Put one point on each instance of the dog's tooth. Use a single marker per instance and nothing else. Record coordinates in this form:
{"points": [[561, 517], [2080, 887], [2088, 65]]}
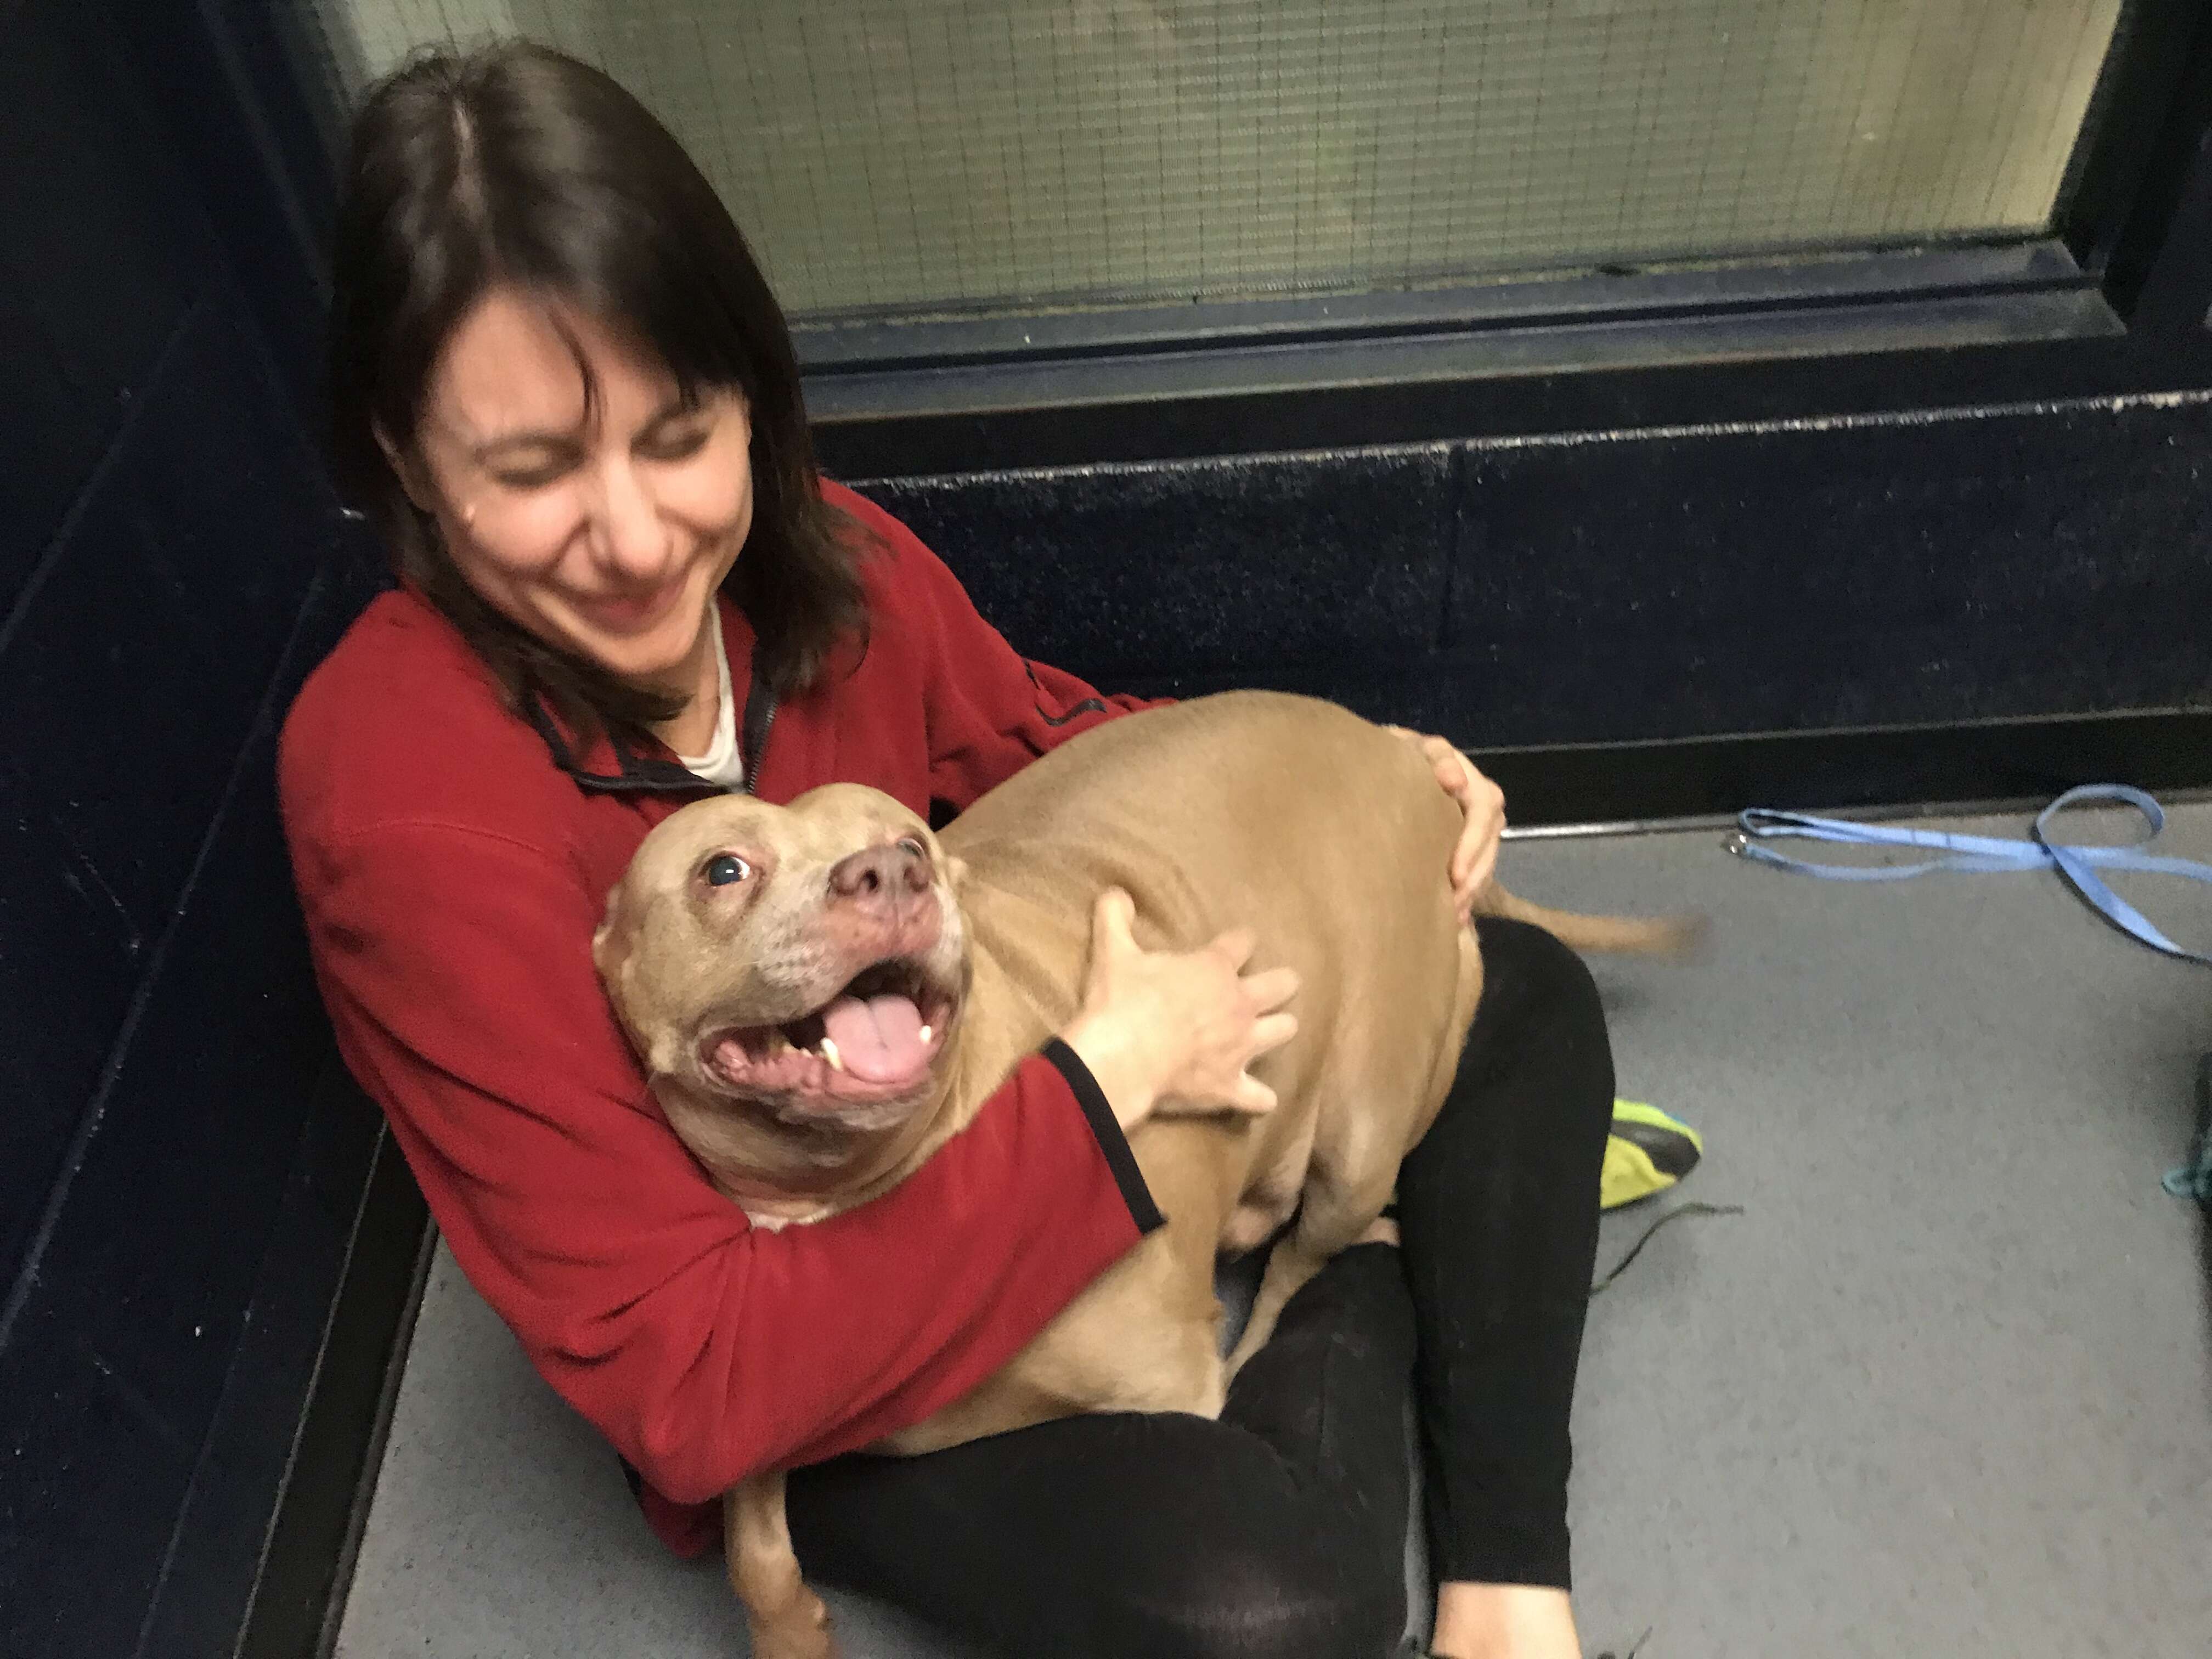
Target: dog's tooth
{"points": [[924, 1034], [829, 1053]]}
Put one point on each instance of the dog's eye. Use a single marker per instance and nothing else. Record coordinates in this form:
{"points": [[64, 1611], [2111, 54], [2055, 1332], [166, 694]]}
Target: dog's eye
{"points": [[913, 844], [725, 869]]}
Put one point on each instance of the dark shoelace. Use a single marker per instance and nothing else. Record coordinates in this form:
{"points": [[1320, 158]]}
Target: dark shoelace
{"points": [[1695, 1206]]}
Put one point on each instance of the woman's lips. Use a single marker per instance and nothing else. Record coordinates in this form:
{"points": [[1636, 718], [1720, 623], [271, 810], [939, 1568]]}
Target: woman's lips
{"points": [[630, 613]]}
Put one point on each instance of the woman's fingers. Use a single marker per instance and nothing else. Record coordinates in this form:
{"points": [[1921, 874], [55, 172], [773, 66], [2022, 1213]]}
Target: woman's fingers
{"points": [[1264, 992], [1234, 947], [1482, 806], [1177, 1030], [1250, 1095], [1474, 857], [1466, 850], [1475, 854], [1115, 911], [1468, 886], [1111, 918], [1272, 1031]]}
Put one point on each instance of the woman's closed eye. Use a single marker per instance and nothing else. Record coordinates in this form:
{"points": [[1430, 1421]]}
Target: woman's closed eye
{"points": [[674, 442], [533, 468]]}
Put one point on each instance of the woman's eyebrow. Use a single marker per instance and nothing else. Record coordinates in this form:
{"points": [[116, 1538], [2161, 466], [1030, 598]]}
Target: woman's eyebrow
{"points": [[485, 449]]}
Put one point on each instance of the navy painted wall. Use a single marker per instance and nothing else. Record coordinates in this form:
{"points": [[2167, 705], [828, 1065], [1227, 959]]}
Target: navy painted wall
{"points": [[1599, 588], [179, 1168]]}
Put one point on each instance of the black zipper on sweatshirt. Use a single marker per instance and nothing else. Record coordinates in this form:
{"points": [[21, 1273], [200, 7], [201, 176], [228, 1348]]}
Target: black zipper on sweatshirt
{"points": [[650, 774]]}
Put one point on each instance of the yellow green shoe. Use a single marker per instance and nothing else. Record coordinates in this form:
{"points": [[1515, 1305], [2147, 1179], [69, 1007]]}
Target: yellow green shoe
{"points": [[1647, 1153]]}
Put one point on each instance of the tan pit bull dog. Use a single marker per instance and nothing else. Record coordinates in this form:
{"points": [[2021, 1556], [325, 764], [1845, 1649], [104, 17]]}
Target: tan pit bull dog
{"points": [[823, 994]]}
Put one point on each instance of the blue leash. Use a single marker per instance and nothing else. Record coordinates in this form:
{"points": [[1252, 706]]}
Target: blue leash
{"points": [[2078, 866]]}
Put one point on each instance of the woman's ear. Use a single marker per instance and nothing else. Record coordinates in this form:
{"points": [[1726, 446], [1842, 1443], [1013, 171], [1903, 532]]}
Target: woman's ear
{"points": [[404, 468]]}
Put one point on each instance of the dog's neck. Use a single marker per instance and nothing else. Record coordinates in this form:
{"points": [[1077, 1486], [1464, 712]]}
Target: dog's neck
{"points": [[788, 1174]]}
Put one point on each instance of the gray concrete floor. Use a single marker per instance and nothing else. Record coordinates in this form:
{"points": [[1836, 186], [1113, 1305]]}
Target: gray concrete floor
{"points": [[1945, 1388]]}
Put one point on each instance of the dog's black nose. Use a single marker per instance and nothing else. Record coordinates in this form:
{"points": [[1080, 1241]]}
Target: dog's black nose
{"points": [[882, 874]]}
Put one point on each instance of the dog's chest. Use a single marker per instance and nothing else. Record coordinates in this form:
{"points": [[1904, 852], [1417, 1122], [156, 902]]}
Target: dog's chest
{"points": [[776, 1221]]}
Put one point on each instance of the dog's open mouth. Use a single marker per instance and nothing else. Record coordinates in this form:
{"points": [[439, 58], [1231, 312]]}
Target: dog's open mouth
{"points": [[873, 1040]]}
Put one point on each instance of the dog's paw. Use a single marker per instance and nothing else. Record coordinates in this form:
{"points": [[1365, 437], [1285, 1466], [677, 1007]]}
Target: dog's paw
{"points": [[804, 1632]]}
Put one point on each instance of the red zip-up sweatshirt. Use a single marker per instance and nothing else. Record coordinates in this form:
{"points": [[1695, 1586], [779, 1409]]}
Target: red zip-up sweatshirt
{"points": [[452, 858]]}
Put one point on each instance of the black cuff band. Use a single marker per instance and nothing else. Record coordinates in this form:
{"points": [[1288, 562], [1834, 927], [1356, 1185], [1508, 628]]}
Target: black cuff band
{"points": [[1107, 1129]]}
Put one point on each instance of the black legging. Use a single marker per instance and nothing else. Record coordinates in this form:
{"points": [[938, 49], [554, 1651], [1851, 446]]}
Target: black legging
{"points": [[1279, 1530]]}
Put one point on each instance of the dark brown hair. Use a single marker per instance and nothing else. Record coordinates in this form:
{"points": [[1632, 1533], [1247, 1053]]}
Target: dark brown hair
{"points": [[517, 164]]}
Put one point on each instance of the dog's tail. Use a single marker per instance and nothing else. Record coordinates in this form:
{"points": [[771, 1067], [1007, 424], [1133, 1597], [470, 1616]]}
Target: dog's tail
{"points": [[1654, 936]]}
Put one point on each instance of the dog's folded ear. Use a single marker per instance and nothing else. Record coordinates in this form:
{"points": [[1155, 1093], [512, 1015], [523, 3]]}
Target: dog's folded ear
{"points": [[614, 953], [955, 871], [611, 941]]}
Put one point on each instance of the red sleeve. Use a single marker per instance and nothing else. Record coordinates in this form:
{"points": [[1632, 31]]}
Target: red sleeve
{"points": [[990, 710], [456, 971]]}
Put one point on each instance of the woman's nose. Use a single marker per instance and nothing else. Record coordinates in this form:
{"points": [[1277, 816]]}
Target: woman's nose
{"points": [[628, 531]]}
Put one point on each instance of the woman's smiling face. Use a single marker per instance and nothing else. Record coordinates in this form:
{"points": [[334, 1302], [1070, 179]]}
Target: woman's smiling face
{"points": [[577, 492]]}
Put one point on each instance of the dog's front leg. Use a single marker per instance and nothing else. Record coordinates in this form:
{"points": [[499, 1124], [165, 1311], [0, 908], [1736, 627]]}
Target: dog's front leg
{"points": [[787, 1620]]}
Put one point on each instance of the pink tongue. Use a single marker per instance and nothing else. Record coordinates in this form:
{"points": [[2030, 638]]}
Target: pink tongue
{"points": [[880, 1040]]}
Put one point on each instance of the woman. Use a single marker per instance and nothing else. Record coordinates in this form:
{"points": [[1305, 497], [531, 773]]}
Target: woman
{"points": [[564, 389]]}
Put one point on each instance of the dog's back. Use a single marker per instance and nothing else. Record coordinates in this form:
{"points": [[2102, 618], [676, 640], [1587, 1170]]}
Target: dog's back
{"points": [[1281, 813]]}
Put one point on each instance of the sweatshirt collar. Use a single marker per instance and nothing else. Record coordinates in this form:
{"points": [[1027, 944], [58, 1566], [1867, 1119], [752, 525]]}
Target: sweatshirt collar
{"points": [[607, 766]]}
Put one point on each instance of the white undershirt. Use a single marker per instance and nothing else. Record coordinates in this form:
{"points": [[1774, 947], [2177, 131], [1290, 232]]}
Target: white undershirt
{"points": [[721, 764]]}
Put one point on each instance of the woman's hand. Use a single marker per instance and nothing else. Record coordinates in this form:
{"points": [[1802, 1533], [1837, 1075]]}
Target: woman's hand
{"points": [[1179, 1025], [1481, 803]]}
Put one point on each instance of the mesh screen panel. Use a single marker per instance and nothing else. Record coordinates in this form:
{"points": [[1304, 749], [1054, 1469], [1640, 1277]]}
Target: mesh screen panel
{"points": [[917, 157]]}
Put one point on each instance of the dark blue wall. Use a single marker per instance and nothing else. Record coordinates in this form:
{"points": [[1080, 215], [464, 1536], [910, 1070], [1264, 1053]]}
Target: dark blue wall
{"points": [[179, 1172], [1608, 587]]}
